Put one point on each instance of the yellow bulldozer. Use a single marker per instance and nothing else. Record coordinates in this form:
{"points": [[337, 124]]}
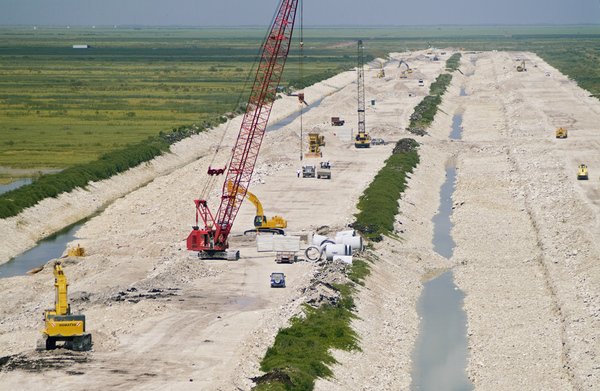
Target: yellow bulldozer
{"points": [[61, 325], [315, 142], [582, 172], [561, 133], [275, 224]]}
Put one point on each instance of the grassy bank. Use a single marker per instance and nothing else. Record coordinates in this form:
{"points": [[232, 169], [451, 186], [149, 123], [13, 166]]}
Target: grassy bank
{"points": [[378, 205], [109, 164], [301, 352], [426, 110]]}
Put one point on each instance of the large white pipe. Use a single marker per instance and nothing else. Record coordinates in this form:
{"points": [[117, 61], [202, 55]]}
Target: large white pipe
{"points": [[332, 250], [355, 242], [317, 239]]}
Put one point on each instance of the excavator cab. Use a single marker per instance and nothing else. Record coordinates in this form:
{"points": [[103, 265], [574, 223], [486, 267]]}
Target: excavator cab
{"points": [[259, 221]]}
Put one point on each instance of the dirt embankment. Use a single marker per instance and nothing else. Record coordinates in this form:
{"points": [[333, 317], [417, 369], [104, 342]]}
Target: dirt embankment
{"points": [[53, 214], [160, 317], [524, 230]]}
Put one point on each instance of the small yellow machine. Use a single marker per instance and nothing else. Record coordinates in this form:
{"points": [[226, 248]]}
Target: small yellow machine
{"points": [[61, 325], [77, 251], [315, 142], [275, 224], [582, 172], [362, 140], [561, 133], [381, 71]]}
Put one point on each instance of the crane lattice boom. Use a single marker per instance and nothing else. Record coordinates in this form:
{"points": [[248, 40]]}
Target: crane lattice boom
{"points": [[275, 48]]}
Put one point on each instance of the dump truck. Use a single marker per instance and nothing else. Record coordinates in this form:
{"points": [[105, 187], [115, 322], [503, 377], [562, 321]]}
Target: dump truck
{"points": [[337, 121], [61, 325], [561, 133], [324, 171]]}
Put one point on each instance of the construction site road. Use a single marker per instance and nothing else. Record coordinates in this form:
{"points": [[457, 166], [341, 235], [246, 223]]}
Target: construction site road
{"points": [[524, 229]]}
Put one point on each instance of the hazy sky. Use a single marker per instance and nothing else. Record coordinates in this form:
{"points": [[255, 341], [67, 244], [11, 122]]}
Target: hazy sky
{"points": [[316, 12]]}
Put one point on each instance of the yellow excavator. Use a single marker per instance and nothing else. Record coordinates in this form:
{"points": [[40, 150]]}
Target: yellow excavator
{"points": [[60, 324], [522, 67], [275, 224]]}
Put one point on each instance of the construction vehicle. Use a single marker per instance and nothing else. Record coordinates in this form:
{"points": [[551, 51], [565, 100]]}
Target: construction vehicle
{"points": [[561, 133], [308, 171], [324, 171], [277, 280], [76, 251], [582, 172], [315, 142], [521, 67], [275, 224], [286, 257], [337, 121], [211, 240], [362, 139], [381, 71], [60, 324]]}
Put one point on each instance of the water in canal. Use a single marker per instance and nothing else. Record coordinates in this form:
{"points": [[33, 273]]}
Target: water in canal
{"points": [[440, 355], [14, 185], [49, 248]]}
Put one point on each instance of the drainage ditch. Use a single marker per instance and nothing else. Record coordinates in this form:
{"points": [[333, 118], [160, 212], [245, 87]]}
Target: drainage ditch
{"points": [[47, 249], [440, 355]]}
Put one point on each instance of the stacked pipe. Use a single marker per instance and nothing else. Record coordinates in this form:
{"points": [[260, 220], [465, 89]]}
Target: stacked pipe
{"points": [[339, 248]]}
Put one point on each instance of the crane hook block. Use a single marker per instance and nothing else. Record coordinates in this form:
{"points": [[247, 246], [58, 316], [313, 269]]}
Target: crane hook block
{"points": [[216, 171]]}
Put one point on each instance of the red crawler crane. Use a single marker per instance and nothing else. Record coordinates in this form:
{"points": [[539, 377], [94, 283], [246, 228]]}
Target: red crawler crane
{"points": [[211, 241]]}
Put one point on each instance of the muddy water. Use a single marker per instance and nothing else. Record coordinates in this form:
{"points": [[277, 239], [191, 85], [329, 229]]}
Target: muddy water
{"points": [[440, 355], [47, 249], [463, 91], [14, 185]]}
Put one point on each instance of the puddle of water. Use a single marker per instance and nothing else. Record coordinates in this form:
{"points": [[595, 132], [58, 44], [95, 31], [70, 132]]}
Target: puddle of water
{"points": [[49, 248], [14, 185], [290, 118], [440, 355], [463, 91], [456, 133], [443, 243]]}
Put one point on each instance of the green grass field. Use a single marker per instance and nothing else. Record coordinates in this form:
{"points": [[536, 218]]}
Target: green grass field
{"points": [[61, 106]]}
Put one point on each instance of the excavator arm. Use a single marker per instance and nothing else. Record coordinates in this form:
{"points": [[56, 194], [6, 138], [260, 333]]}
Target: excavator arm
{"points": [[60, 283]]}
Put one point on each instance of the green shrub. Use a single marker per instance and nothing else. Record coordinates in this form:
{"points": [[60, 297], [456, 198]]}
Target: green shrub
{"points": [[378, 204], [453, 62]]}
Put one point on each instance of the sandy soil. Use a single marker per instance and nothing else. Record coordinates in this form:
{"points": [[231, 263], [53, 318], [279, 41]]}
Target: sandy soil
{"points": [[524, 229], [159, 316]]}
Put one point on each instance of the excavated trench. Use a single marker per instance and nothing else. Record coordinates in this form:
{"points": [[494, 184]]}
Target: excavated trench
{"points": [[440, 355], [47, 249]]}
